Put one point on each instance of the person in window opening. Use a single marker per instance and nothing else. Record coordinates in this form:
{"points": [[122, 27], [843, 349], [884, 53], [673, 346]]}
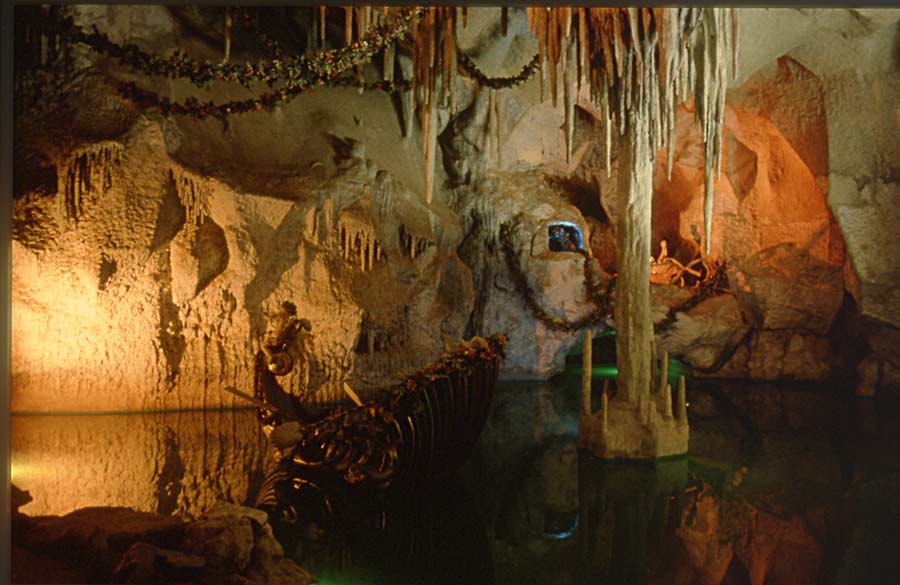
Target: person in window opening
{"points": [[560, 240]]}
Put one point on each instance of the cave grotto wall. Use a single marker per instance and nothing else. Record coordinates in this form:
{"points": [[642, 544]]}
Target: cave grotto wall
{"points": [[147, 250]]}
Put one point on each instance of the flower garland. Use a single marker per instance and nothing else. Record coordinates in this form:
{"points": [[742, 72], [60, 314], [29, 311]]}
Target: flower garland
{"points": [[469, 69], [191, 106], [300, 70], [320, 69], [298, 75]]}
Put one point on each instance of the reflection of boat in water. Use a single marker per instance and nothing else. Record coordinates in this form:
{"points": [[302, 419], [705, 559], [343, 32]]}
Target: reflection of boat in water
{"points": [[422, 428]]}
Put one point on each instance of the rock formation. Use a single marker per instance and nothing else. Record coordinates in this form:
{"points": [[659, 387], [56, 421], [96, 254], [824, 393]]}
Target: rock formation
{"points": [[226, 544], [184, 233]]}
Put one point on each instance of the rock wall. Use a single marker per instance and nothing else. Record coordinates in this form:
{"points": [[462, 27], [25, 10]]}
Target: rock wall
{"points": [[849, 58], [147, 282], [148, 250]]}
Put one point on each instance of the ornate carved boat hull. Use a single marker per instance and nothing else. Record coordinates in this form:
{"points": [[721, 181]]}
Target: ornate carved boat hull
{"points": [[421, 429]]}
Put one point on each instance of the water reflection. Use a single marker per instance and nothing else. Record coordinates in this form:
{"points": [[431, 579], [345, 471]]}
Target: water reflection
{"points": [[752, 504], [167, 462]]}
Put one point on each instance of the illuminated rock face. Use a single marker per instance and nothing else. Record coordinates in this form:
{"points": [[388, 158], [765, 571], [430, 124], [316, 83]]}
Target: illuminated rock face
{"points": [[783, 249], [145, 288]]}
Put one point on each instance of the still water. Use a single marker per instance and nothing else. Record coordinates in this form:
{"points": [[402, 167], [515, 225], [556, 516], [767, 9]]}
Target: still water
{"points": [[782, 486]]}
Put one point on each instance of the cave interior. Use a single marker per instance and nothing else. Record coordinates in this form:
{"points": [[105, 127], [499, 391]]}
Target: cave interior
{"points": [[682, 220]]}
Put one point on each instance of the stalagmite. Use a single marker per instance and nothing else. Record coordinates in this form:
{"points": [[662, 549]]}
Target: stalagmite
{"points": [[604, 406], [663, 370], [632, 309], [642, 63], [681, 402], [666, 407], [587, 364]]}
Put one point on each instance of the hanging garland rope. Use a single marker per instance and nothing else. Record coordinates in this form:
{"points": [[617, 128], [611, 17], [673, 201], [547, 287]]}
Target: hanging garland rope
{"points": [[299, 74], [470, 70], [601, 301], [300, 70], [715, 285]]}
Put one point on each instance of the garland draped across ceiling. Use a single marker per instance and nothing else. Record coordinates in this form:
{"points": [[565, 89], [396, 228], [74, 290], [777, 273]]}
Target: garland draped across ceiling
{"points": [[638, 64]]}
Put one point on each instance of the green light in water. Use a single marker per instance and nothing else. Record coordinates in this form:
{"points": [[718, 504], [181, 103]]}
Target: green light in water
{"points": [[605, 371]]}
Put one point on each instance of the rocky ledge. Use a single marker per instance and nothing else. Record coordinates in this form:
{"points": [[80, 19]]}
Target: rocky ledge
{"points": [[228, 544]]}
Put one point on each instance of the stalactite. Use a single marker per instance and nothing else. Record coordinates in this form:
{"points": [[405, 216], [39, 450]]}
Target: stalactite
{"points": [[430, 149], [362, 23], [412, 245], [389, 55], [711, 51], [500, 107], [582, 46], [607, 127], [430, 64], [359, 244], [193, 192], [554, 36], [408, 101], [734, 45], [490, 133], [227, 35], [644, 62], [569, 98], [89, 170], [450, 66], [348, 24]]}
